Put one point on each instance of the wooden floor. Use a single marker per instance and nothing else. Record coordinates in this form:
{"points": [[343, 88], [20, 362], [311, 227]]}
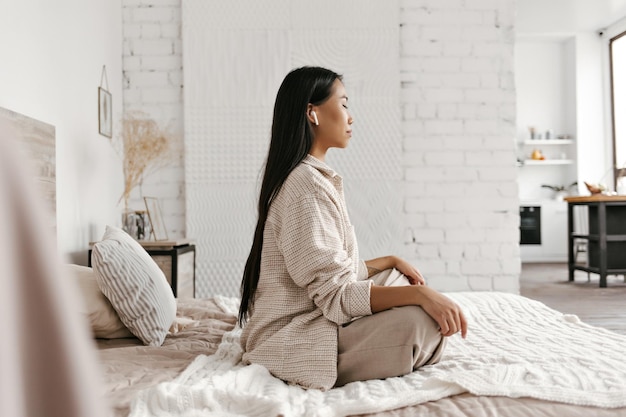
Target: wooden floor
{"points": [[603, 307]]}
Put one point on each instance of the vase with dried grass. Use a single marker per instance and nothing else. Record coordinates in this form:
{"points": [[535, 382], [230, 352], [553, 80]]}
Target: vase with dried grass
{"points": [[144, 148]]}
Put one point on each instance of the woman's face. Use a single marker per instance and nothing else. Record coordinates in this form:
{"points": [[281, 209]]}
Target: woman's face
{"points": [[335, 122]]}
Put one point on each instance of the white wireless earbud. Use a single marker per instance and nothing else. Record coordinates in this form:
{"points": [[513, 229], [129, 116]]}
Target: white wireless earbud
{"points": [[317, 123]]}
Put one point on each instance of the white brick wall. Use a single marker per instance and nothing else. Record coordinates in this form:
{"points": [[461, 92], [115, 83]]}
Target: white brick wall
{"points": [[458, 106], [153, 83]]}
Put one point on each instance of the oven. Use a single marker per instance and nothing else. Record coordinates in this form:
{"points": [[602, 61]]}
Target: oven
{"points": [[530, 225]]}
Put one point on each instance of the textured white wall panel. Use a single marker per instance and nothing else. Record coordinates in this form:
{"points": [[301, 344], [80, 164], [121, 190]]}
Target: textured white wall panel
{"points": [[375, 147], [235, 56], [222, 217], [236, 15], [225, 144], [375, 208], [363, 56], [228, 68], [343, 14]]}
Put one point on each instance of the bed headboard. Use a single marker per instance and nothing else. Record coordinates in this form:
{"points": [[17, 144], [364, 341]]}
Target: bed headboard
{"points": [[38, 145]]}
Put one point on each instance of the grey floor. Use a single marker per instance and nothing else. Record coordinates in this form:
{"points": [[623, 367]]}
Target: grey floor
{"points": [[603, 307]]}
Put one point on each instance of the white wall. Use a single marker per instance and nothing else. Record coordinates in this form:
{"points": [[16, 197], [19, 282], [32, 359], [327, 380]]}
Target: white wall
{"points": [[539, 70], [559, 81], [546, 99], [586, 70], [458, 98], [51, 56], [153, 84], [567, 16]]}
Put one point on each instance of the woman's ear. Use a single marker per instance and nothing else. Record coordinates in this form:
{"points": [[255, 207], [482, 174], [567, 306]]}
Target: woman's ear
{"points": [[311, 115]]}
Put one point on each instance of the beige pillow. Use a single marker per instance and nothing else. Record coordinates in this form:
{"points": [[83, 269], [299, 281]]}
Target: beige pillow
{"points": [[135, 286], [104, 321]]}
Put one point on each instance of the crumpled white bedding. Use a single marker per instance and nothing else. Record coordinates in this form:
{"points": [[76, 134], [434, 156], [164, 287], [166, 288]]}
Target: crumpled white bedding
{"points": [[515, 347]]}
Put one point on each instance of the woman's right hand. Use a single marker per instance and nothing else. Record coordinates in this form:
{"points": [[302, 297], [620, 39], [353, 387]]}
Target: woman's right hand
{"points": [[443, 310]]}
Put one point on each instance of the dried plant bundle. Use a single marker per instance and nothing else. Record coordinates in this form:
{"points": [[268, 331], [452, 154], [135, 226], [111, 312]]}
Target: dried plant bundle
{"points": [[144, 147]]}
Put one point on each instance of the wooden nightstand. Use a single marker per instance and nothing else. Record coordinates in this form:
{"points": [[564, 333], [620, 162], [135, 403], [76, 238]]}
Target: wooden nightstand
{"points": [[177, 260]]}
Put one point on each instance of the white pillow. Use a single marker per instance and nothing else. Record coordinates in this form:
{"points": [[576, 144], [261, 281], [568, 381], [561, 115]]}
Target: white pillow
{"points": [[134, 285], [102, 317]]}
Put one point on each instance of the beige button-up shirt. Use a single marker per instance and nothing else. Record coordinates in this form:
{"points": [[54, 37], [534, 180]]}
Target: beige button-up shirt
{"points": [[311, 280]]}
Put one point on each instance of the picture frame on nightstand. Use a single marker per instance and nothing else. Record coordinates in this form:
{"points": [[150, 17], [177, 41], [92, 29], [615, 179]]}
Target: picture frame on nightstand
{"points": [[158, 230]]}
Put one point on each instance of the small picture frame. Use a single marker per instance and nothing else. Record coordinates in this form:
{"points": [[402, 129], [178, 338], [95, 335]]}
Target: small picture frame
{"points": [[158, 230], [105, 118]]}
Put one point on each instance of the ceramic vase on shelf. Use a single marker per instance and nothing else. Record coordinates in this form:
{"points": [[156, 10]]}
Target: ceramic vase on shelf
{"points": [[560, 195], [620, 187]]}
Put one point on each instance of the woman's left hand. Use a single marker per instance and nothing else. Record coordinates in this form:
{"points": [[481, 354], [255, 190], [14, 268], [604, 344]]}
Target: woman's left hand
{"points": [[411, 272]]}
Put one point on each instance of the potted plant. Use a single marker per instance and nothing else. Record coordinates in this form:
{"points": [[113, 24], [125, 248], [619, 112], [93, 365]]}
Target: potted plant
{"points": [[560, 191]]}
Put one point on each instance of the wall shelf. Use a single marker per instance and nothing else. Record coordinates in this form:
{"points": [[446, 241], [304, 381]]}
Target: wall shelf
{"points": [[548, 162], [548, 142]]}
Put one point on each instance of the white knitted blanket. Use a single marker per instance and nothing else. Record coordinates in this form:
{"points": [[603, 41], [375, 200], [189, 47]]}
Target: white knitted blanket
{"points": [[515, 347]]}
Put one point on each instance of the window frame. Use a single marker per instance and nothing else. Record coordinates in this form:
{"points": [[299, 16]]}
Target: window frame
{"points": [[616, 170]]}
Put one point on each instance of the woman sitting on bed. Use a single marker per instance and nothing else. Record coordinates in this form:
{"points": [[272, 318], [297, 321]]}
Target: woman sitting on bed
{"points": [[314, 314]]}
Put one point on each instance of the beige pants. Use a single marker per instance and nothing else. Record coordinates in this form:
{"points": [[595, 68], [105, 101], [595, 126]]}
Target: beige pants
{"points": [[389, 343]]}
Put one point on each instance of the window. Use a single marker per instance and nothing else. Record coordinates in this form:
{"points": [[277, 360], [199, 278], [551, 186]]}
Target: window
{"points": [[617, 51]]}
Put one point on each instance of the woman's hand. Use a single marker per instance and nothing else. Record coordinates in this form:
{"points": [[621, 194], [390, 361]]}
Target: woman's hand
{"points": [[411, 272], [444, 311]]}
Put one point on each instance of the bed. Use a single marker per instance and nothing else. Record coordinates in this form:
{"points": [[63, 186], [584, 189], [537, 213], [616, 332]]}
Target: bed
{"points": [[521, 358]]}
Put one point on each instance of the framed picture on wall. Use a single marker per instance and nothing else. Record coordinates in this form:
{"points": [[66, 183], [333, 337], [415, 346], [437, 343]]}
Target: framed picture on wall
{"points": [[158, 229], [105, 119]]}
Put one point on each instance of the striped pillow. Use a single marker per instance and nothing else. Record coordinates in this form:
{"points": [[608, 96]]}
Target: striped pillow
{"points": [[134, 285]]}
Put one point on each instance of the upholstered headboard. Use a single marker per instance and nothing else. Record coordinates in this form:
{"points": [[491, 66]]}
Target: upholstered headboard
{"points": [[37, 140]]}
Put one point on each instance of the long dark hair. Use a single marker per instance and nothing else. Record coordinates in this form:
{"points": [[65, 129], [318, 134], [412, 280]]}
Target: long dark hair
{"points": [[292, 138]]}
